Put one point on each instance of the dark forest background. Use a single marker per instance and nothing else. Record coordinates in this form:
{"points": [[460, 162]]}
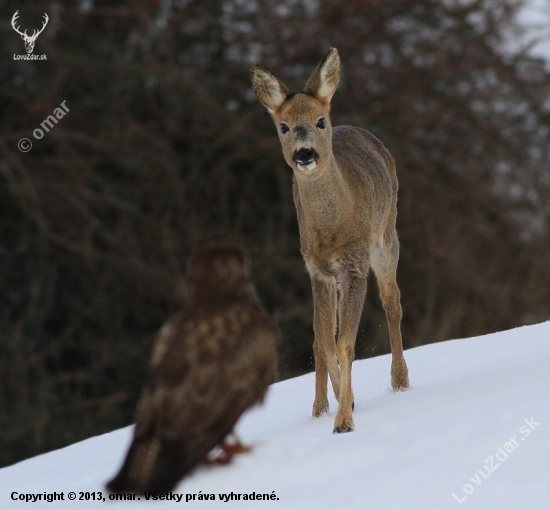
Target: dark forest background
{"points": [[165, 142]]}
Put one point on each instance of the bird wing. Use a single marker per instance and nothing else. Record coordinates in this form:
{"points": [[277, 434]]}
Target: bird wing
{"points": [[206, 370]]}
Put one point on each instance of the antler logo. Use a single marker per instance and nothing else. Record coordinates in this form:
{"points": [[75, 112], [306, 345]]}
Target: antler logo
{"points": [[29, 39]]}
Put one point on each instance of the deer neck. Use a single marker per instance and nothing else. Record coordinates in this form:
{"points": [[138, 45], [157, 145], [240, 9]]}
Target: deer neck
{"points": [[324, 195]]}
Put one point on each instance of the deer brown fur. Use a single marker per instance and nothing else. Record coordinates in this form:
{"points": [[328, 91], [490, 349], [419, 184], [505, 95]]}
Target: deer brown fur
{"points": [[345, 192]]}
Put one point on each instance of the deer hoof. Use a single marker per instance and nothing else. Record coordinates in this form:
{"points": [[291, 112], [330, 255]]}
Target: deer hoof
{"points": [[341, 429], [399, 376], [319, 409], [401, 382]]}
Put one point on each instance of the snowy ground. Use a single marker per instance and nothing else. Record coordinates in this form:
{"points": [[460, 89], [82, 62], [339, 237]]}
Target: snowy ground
{"points": [[473, 432], [535, 17]]}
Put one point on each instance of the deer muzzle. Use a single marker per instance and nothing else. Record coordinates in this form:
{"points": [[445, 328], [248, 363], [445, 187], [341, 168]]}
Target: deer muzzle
{"points": [[306, 158]]}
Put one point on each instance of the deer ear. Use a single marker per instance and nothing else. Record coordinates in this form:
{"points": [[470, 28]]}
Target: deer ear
{"points": [[324, 81], [271, 92]]}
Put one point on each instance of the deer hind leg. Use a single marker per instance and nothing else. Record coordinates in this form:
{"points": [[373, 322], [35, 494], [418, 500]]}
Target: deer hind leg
{"points": [[384, 264], [350, 306], [324, 346]]}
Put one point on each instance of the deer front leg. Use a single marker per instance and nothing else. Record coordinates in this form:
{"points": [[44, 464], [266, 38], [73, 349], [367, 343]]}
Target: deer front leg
{"points": [[352, 296], [324, 345]]}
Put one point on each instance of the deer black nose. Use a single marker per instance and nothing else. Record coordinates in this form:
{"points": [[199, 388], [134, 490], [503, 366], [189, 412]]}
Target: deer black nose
{"points": [[301, 132], [304, 155]]}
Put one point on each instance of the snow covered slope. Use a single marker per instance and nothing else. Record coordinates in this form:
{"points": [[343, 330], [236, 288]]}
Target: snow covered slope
{"points": [[534, 15], [473, 432]]}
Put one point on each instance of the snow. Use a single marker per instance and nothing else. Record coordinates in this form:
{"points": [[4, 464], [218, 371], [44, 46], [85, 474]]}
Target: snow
{"points": [[471, 401], [534, 16]]}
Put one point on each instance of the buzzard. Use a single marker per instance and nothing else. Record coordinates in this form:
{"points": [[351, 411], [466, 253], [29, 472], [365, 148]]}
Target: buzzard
{"points": [[210, 362]]}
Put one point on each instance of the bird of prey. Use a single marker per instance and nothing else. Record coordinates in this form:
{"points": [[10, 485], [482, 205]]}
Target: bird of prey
{"points": [[210, 363]]}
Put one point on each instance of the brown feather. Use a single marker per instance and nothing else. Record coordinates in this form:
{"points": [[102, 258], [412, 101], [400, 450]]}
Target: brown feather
{"points": [[210, 363]]}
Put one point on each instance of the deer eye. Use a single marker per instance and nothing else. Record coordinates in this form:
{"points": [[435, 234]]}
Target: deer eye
{"points": [[284, 128], [321, 123]]}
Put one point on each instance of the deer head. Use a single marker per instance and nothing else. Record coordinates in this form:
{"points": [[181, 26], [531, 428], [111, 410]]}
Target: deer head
{"points": [[303, 119], [29, 39]]}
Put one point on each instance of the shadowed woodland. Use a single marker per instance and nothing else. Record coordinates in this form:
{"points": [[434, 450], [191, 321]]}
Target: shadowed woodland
{"points": [[165, 142]]}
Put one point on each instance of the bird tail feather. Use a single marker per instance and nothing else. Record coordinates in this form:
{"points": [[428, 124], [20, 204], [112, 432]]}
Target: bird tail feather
{"points": [[152, 464]]}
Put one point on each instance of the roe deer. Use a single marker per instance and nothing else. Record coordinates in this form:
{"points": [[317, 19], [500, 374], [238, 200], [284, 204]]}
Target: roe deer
{"points": [[345, 192]]}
